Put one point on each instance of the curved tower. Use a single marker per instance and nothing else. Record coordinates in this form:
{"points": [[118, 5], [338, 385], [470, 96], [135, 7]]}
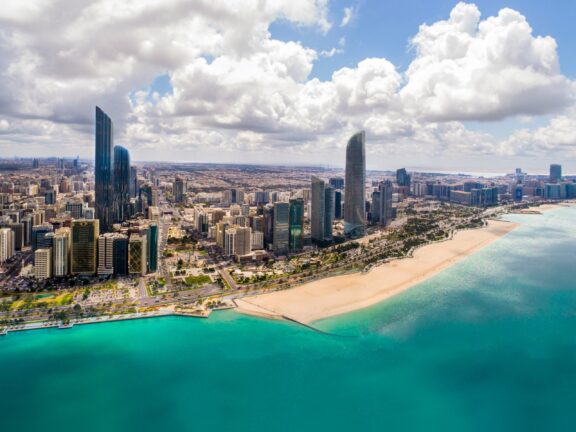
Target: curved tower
{"points": [[354, 187]]}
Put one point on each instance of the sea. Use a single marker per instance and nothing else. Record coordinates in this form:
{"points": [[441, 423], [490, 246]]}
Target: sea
{"points": [[486, 345]]}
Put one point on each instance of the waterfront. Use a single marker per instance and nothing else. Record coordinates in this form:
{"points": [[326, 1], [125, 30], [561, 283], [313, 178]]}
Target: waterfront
{"points": [[486, 344]]}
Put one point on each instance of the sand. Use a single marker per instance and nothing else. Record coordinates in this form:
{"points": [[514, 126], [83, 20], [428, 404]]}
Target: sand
{"points": [[340, 294]]}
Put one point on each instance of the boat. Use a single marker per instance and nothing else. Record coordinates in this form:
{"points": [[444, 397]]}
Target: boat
{"points": [[66, 326]]}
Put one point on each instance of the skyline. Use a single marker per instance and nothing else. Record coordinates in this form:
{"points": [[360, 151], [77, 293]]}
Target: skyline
{"points": [[471, 74]]}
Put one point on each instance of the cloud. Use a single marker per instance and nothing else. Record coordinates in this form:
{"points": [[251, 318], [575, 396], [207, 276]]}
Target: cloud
{"points": [[347, 17], [468, 69], [237, 88], [557, 137]]}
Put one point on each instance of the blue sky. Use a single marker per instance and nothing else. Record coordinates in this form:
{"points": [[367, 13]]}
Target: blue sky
{"points": [[254, 81]]}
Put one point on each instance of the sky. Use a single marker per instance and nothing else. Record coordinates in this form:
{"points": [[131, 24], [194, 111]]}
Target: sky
{"points": [[437, 85]]}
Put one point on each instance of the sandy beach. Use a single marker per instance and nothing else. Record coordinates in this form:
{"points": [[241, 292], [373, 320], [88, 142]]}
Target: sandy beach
{"points": [[340, 294]]}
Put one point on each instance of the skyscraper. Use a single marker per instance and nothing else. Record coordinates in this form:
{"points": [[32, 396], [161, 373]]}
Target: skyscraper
{"points": [[61, 252], [337, 204], [85, 234], [152, 247], [106, 254], [121, 184], [120, 255], [137, 254], [281, 228], [555, 173], [103, 170], [318, 209], [296, 224], [43, 263], [328, 212], [354, 193], [385, 211], [178, 190], [402, 177]]}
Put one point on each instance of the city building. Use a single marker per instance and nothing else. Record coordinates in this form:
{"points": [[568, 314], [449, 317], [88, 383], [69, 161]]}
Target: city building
{"points": [[281, 228], [61, 252], [103, 170], [243, 241], [328, 212], [354, 192], [43, 263], [152, 241], [7, 248], [296, 235], [137, 259], [120, 255], [555, 173], [83, 258], [121, 184], [178, 190], [106, 254], [318, 209]]}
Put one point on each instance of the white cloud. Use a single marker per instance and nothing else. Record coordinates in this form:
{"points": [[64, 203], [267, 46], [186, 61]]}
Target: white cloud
{"points": [[236, 88], [347, 17], [466, 68]]}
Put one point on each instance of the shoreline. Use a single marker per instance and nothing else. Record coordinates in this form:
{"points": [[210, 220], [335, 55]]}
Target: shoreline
{"points": [[341, 294], [337, 295], [327, 297]]}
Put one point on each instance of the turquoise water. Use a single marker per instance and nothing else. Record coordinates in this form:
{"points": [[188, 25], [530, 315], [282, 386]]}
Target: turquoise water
{"points": [[489, 344]]}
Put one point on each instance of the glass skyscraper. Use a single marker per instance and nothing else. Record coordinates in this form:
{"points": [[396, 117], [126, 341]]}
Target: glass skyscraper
{"points": [[318, 209], [281, 228], [329, 199], [296, 224], [354, 192], [121, 184], [152, 248], [103, 170]]}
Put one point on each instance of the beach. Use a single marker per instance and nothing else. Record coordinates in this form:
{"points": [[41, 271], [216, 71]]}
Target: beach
{"points": [[341, 294]]}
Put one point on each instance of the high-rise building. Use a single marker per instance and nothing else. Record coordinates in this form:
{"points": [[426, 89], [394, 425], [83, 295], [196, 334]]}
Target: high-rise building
{"points": [[318, 209], [555, 173], [106, 254], [61, 252], [121, 184], [385, 211], [6, 244], [76, 209], [281, 228], [336, 183], [40, 238], [83, 258], [337, 204], [296, 239], [152, 237], [354, 193], [402, 177], [43, 263], [328, 212], [230, 241], [18, 230], [103, 170], [120, 255], [137, 259], [243, 241], [178, 190], [133, 181]]}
